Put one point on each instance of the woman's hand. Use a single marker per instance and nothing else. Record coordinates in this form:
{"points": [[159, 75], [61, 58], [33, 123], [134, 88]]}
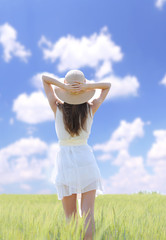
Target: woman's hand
{"points": [[82, 86], [76, 87]]}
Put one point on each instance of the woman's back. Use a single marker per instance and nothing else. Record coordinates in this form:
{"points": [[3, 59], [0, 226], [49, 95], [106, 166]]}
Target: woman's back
{"points": [[64, 136]]}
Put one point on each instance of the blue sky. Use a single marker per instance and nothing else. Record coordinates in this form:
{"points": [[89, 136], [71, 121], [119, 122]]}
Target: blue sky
{"points": [[122, 42]]}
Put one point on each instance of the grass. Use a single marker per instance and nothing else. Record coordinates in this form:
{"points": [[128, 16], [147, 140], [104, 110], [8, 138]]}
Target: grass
{"points": [[40, 217]]}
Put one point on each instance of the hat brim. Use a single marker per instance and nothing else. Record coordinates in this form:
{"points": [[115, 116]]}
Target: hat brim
{"points": [[70, 98]]}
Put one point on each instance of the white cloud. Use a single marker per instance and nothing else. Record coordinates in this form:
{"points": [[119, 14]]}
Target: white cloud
{"points": [[36, 80], [97, 51], [18, 162], [10, 44], [132, 176], [104, 157], [23, 147], [21, 168], [104, 69], [158, 149], [122, 136], [25, 160], [163, 81], [160, 3], [156, 158], [122, 87], [33, 108], [75, 53]]}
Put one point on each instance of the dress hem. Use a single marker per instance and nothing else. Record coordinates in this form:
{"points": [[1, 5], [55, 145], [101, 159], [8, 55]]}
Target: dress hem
{"points": [[61, 193]]}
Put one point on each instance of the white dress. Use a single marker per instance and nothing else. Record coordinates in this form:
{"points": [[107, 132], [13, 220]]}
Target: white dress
{"points": [[75, 168]]}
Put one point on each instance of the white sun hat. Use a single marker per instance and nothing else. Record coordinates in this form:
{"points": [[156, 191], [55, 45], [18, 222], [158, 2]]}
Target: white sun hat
{"points": [[72, 98]]}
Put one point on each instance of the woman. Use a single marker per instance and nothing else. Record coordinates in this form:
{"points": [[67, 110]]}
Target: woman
{"points": [[76, 170]]}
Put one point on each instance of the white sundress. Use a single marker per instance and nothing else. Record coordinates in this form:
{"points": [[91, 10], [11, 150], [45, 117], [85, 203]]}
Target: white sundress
{"points": [[75, 168]]}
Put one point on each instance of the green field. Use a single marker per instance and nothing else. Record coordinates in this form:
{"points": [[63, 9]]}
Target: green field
{"points": [[121, 216]]}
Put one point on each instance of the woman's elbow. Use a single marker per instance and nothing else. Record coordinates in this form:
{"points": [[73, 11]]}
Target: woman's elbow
{"points": [[109, 85], [43, 77]]}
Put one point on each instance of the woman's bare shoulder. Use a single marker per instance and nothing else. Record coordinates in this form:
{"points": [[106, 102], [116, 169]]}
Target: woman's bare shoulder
{"points": [[58, 103]]}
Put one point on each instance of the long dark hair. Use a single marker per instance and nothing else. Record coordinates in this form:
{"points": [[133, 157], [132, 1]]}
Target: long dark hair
{"points": [[74, 117]]}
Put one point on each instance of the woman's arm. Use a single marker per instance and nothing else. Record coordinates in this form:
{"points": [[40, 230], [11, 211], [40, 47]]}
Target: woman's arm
{"points": [[89, 86], [104, 86], [72, 88], [98, 85], [54, 81], [52, 99]]}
